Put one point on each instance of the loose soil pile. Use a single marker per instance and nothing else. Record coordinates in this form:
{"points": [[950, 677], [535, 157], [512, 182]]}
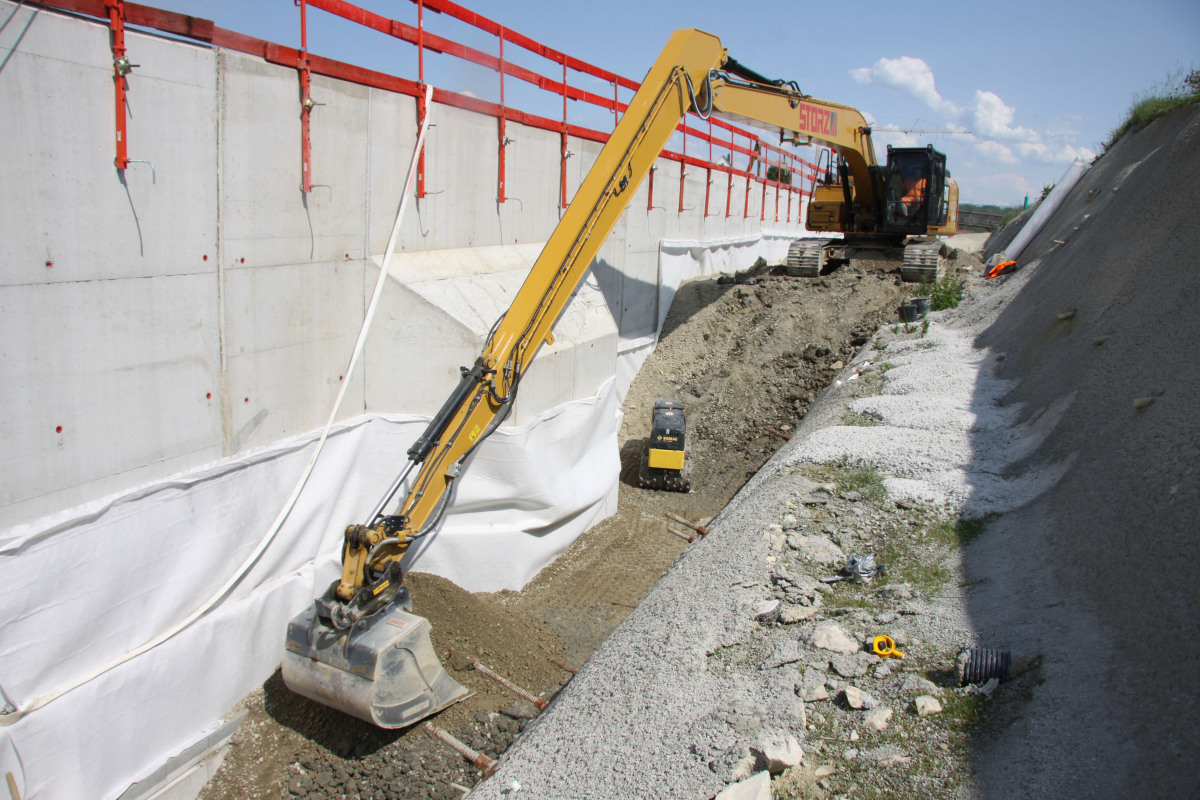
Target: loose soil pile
{"points": [[744, 356]]}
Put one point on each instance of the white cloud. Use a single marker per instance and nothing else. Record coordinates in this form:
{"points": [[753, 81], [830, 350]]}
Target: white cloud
{"points": [[1057, 153], [996, 151], [1001, 188], [906, 74], [993, 119]]}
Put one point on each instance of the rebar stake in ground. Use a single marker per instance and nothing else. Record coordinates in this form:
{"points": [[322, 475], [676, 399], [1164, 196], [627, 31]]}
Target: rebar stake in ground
{"points": [[700, 529], [689, 537], [482, 762], [541, 703], [564, 666]]}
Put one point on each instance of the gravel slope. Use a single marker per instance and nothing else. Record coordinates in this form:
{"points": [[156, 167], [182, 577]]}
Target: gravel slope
{"points": [[1086, 446]]}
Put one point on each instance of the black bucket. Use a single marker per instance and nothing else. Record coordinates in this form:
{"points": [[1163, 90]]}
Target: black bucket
{"points": [[981, 665], [921, 304], [908, 313]]}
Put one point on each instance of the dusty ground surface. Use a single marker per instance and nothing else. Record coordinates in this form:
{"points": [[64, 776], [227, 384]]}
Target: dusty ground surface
{"points": [[744, 356]]}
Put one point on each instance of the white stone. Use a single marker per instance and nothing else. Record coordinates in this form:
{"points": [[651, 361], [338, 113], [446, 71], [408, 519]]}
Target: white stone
{"points": [[756, 787], [791, 614], [767, 610], [825, 770], [927, 705], [915, 683], [854, 697], [829, 636], [780, 753], [850, 754], [878, 718], [814, 693], [819, 549]]}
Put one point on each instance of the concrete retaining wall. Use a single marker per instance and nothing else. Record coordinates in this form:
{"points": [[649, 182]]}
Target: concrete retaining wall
{"points": [[180, 314]]}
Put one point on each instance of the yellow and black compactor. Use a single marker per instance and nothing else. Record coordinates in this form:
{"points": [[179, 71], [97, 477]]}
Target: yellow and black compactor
{"points": [[667, 465]]}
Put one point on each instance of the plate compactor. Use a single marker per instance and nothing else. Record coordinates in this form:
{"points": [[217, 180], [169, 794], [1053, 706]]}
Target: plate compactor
{"points": [[667, 465]]}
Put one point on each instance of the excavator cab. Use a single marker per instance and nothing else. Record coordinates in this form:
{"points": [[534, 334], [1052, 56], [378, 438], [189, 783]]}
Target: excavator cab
{"points": [[914, 190]]}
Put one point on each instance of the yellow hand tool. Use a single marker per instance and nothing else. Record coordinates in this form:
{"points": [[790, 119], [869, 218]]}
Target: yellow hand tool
{"points": [[885, 647]]}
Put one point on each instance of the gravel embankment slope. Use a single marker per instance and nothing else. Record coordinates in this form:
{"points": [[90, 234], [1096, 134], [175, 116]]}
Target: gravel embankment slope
{"points": [[1016, 404]]}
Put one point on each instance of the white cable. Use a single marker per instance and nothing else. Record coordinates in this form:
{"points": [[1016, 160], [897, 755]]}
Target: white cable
{"points": [[36, 703]]}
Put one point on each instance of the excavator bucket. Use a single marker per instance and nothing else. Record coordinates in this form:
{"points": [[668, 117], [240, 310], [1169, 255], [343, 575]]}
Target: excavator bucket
{"points": [[382, 669]]}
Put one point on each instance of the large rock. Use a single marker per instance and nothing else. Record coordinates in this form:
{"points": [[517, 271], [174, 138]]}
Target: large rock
{"points": [[818, 549], [756, 787], [927, 705], [857, 698], [878, 719], [767, 611], [886, 754], [849, 665], [778, 753], [829, 636], [915, 684], [791, 614]]}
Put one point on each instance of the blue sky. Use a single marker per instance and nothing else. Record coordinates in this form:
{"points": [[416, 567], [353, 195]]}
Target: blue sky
{"points": [[1027, 85]]}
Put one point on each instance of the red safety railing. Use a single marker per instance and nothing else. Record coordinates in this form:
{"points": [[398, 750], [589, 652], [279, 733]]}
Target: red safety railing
{"points": [[731, 140]]}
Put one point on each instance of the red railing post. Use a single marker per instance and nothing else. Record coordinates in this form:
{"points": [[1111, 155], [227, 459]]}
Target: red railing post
{"points": [[729, 191], [306, 104], [683, 168], [562, 182], [121, 68], [421, 110], [502, 134]]}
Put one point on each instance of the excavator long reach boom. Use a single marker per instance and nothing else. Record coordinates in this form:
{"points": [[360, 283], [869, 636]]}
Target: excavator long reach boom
{"points": [[358, 648]]}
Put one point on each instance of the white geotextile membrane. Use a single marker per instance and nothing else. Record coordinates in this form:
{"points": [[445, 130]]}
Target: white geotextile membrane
{"points": [[87, 586], [1046, 209], [943, 437]]}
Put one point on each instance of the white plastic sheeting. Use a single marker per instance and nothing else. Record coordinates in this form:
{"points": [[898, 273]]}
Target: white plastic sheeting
{"points": [[1046, 209], [87, 586]]}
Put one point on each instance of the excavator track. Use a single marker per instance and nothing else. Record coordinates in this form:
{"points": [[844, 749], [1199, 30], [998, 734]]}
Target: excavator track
{"points": [[806, 257], [922, 262]]}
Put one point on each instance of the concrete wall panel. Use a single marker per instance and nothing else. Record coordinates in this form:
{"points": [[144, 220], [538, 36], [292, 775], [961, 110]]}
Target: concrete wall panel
{"points": [[390, 138], [265, 217], [66, 205], [461, 162], [532, 183], [130, 371], [290, 330]]}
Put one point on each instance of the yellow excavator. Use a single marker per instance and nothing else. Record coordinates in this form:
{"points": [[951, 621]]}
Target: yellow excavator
{"points": [[359, 648]]}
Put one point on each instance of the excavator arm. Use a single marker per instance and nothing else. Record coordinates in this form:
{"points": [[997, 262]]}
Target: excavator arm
{"points": [[686, 77], [693, 73]]}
